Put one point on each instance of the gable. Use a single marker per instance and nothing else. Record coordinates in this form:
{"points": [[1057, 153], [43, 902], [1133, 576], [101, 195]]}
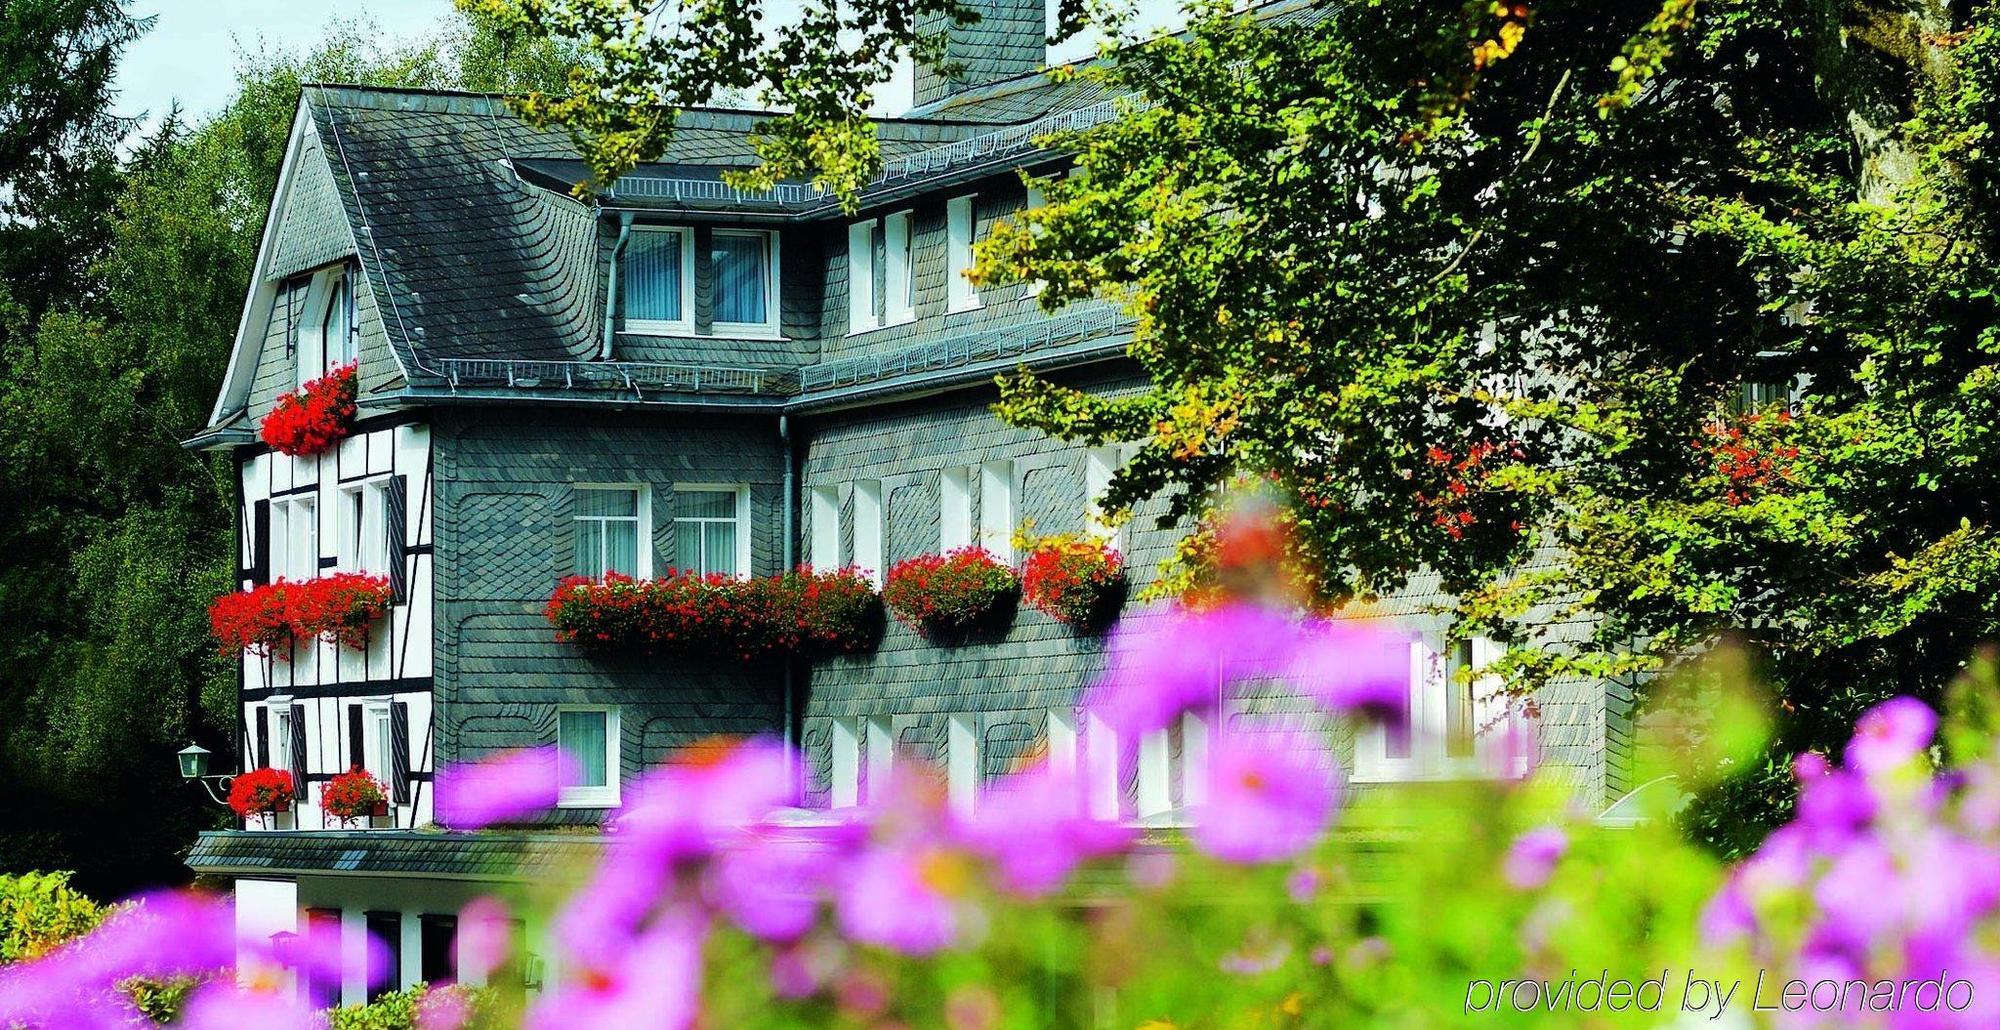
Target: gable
{"points": [[312, 230]]}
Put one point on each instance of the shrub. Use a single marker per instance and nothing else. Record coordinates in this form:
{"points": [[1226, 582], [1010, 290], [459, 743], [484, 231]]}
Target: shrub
{"points": [[39, 911], [352, 795], [261, 791], [314, 418], [949, 593], [688, 615], [420, 1006], [1078, 581]]}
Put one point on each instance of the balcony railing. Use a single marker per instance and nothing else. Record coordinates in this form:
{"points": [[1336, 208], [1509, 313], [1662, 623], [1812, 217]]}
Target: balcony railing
{"points": [[1075, 324]]}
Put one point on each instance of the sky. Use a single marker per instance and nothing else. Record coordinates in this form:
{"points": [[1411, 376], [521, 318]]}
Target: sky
{"points": [[191, 55]]}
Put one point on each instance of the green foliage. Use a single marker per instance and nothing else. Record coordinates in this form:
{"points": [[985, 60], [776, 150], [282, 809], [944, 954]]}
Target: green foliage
{"points": [[403, 1010], [1572, 238], [38, 912]]}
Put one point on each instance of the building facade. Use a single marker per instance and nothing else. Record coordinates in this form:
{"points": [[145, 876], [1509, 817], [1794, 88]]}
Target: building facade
{"points": [[671, 373]]}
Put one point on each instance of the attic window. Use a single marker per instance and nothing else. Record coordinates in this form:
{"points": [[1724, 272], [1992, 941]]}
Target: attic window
{"points": [[745, 269], [337, 326], [659, 281]]}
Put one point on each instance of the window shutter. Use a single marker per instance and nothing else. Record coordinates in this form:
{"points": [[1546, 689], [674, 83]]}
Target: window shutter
{"points": [[260, 754], [395, 527], [298, 769], [357, 742], [399, 752], [260, 543]]}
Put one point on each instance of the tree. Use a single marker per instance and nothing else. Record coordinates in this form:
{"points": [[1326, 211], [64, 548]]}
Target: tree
{"points": [[117, 537]]}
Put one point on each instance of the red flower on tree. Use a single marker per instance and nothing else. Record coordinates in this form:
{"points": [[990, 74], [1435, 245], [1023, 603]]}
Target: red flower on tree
{"points": [[1750, 456], [312, 419], [260, 791]]}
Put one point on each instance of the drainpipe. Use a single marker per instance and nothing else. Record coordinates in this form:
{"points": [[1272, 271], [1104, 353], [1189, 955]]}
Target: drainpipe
{"points": [[788, 503], [611, 286]]}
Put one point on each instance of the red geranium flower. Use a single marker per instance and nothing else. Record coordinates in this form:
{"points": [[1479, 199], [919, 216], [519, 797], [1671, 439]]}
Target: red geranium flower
{"points": [[312, 419], [261, 790]]}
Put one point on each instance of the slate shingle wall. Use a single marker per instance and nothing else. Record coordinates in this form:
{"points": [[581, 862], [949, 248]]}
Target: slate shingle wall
{"points": [[1009, 684], [1009, 39], [504, 538]]}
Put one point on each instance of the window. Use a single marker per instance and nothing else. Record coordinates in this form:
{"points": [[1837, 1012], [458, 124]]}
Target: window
{"points": [[320, 981], [868, 529], [745, 267], [845, 787], [1162, 766], [374, 755], [1456, 719], [279, 755], [1036, 198], [961, 762], [295, 537], [364, 542], [1062, 741], [1101, 769], [437, 941], [613, 532], [996, 510], [899, 301], [824, 551], [712, 530], [958, 254], [337, 326], [1100, 464], [589, 736], [659, 281], [387, 928], [955, 508], [861, 277], [880, 740]]}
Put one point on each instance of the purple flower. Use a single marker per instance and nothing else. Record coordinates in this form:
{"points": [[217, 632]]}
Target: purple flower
{"points": [[501, 787], [1832, 803], [485, 938], [772, 888], [222, 1005], [653, 981], [1533, 856], [1890, 734], [160, 934], [1266, 803], [1032, 827], [687, 809], [908, 895]]}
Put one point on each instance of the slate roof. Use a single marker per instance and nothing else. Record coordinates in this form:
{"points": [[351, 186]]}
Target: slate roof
{"points": [[391, 852]]}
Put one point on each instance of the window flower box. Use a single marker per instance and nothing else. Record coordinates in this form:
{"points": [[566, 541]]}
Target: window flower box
{"points": [[951, 595], [312, 419], [352, 795], [339, 609], [1077, 581], [262, 792], [687, 615]]}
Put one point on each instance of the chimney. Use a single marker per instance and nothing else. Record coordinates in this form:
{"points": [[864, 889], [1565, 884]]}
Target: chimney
{"points": [[1010, 38]]}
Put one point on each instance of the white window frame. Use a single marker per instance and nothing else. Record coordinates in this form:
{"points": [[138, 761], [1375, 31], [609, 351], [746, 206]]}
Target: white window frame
{"points": [[607, 795], [1100, 466], [1061, 741], [295, 536], [644, 520], [870, 529], [364, 533], [375, 743], [861, 306], [954, 508], [1434, 666], [683, 326], [280, 738], [899, 301], [312, 352], [961, 762], [879, 741], [1101, 773], [768, 328], [823, 550], [961, 224], [741, 491], [1036, 198], [844, 773], [996, 509]]}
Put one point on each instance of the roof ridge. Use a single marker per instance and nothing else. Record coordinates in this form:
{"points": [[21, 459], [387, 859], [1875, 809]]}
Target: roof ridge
{"points": [[484, 100]]}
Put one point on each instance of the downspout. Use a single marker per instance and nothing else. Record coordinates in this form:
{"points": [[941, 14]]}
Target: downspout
{"points": [[787, 502], [611, 286]]}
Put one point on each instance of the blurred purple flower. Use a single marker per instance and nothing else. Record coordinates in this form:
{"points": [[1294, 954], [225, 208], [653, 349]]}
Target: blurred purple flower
{"points": [[772, 888], [1533, 856], [907, 895], [654, 981], [485, 938], [685, 810], [446, 1007], [160, 934], [1267, 801], [1890, 734], [1182, 661], [501, 787], [1032, 826], [1832, 803], [222, 1005], [1248, 962]]}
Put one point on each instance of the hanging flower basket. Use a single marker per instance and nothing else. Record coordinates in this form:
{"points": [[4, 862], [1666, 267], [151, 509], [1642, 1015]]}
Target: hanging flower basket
{"points": [[261, 792], [314, 418], [1077, 581], [687, 615], [353, 795], [258, 621], [951, 594]]}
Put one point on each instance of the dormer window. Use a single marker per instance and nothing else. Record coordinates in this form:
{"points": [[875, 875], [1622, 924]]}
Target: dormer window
{"points": [[744, 264], [323, 335], [338, 326], [659, 281]]}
